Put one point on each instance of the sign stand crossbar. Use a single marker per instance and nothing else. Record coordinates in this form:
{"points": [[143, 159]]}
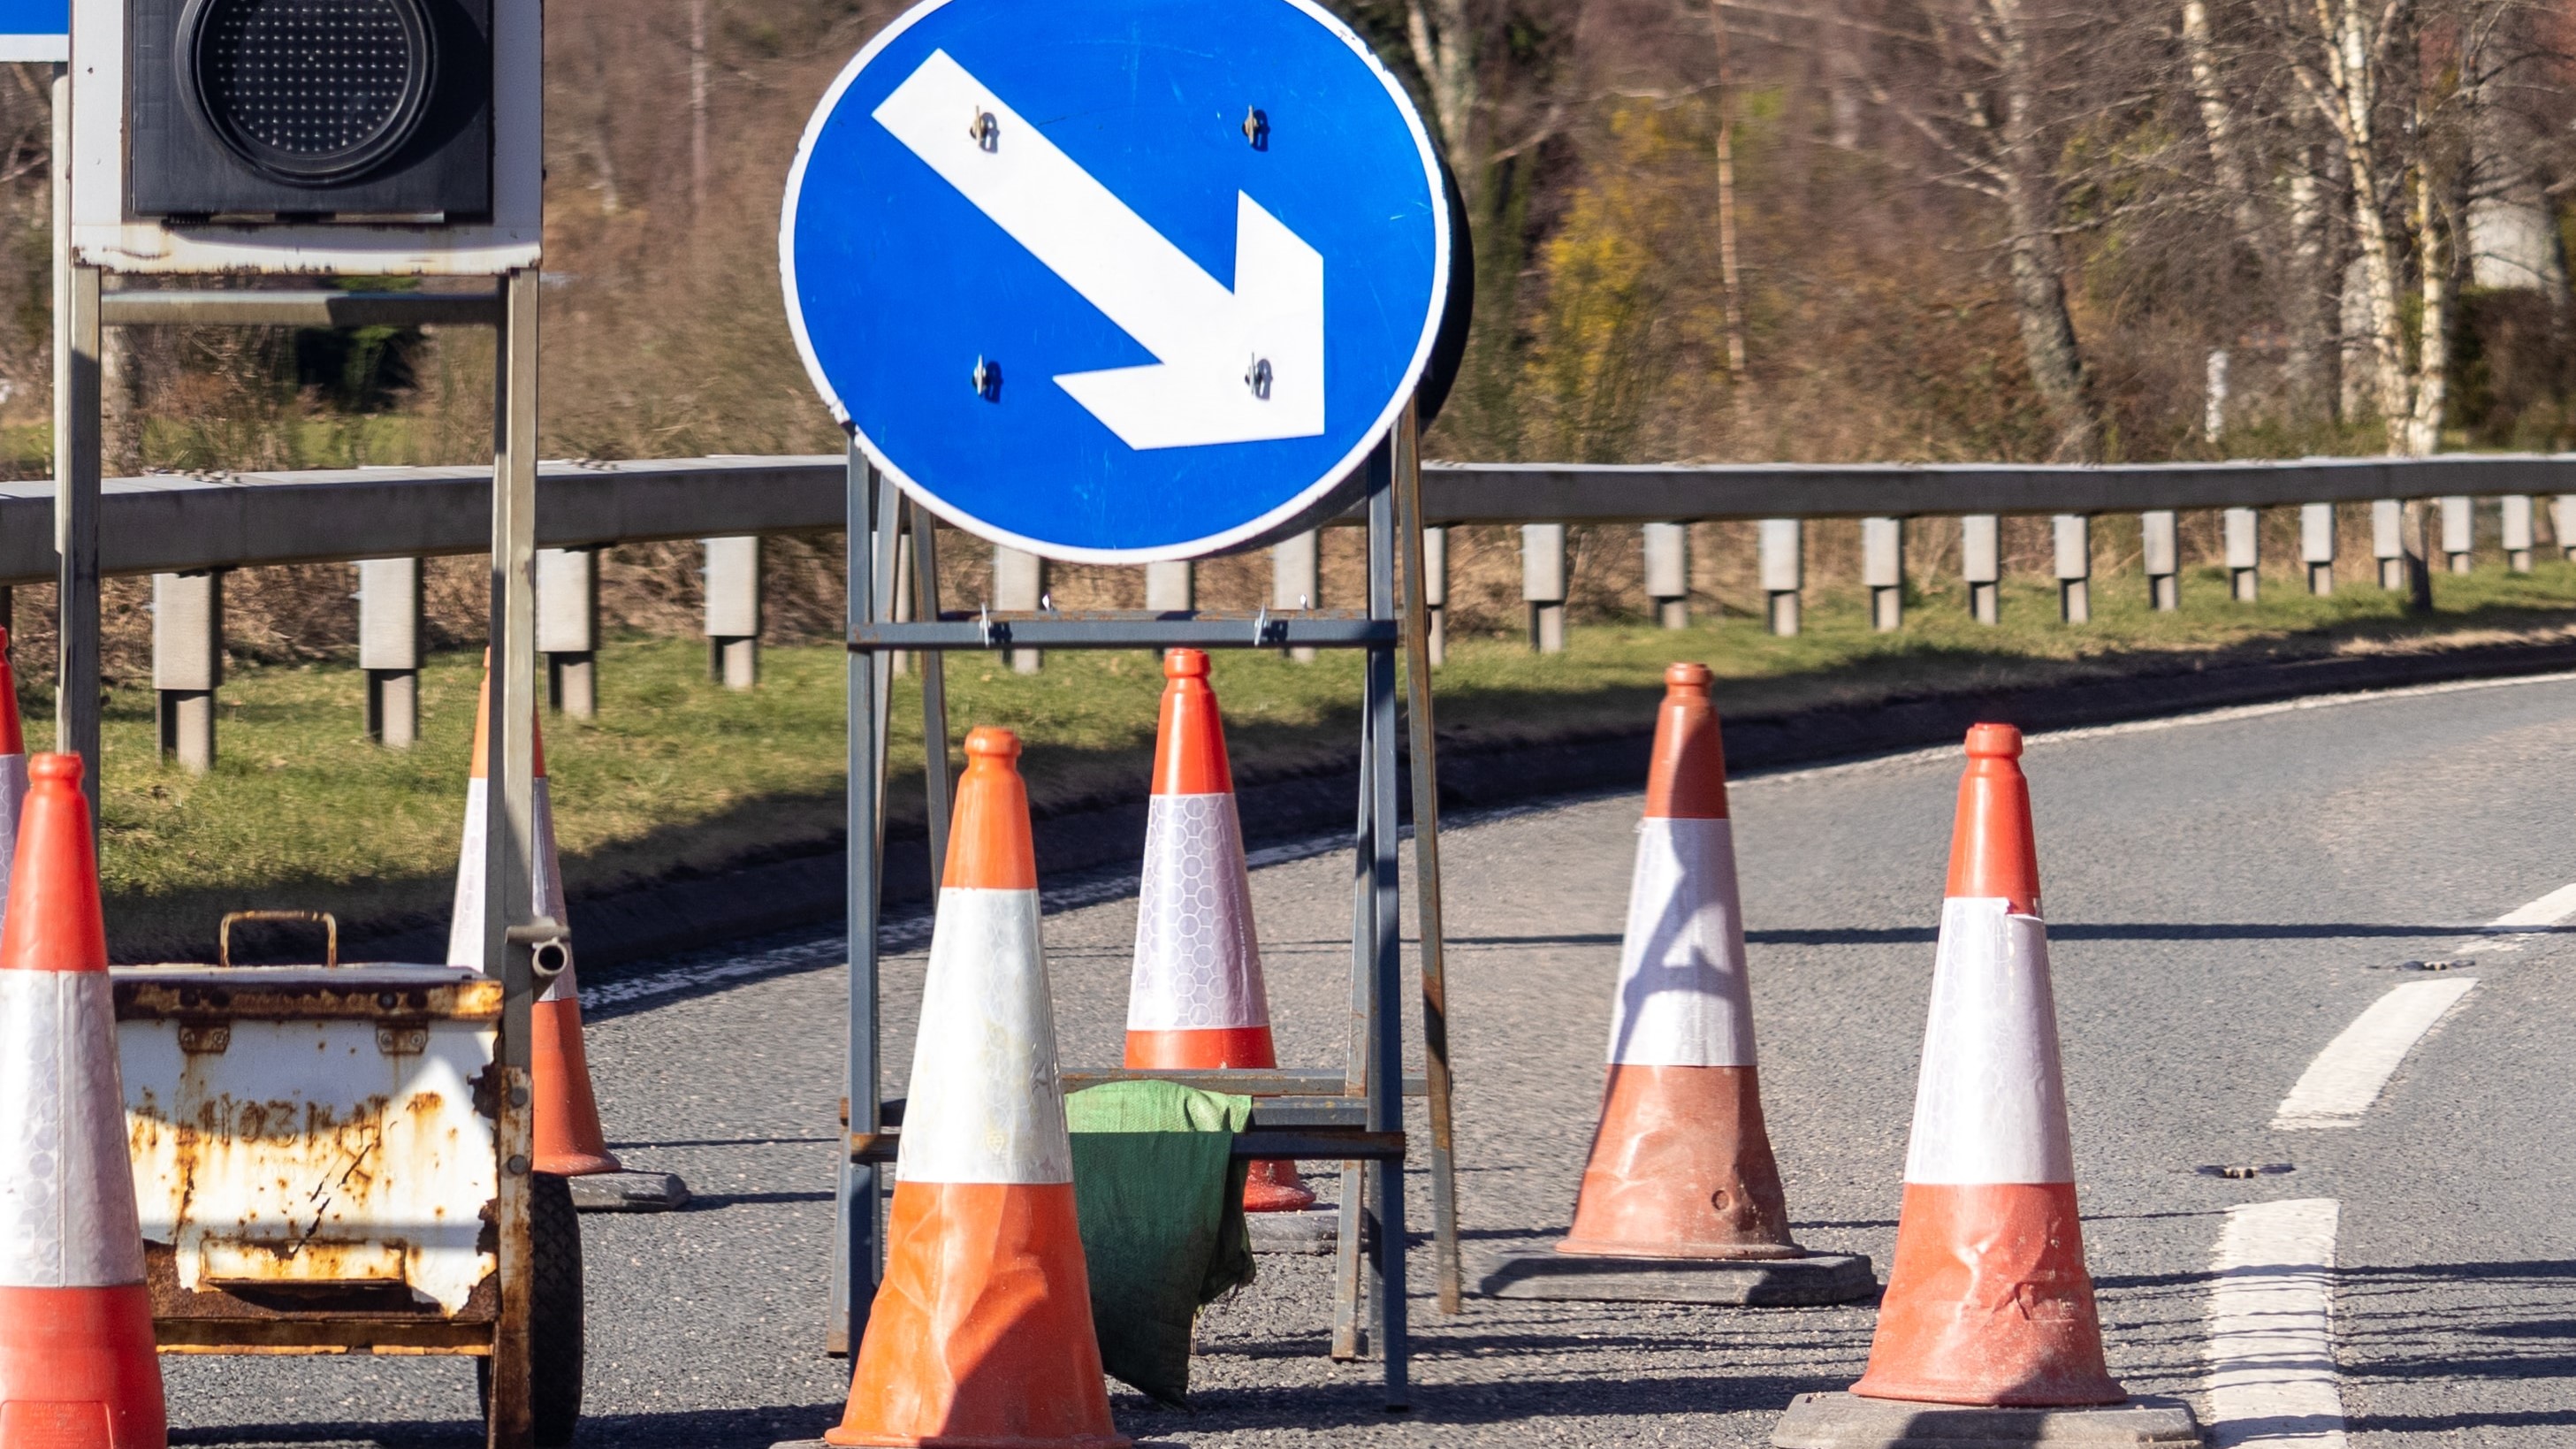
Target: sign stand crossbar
{"points": [[1362, 1122]]}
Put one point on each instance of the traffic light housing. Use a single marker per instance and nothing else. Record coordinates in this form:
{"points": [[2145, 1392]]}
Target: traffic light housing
{"points": [[251, 111]]}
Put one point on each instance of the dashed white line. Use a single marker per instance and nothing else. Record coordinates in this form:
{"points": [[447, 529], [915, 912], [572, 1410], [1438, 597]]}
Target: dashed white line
{"points": [[2271, 1328], [2541, 914], [2339, 1086]]}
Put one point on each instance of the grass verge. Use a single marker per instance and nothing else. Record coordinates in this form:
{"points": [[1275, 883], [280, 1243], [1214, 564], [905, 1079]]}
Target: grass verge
{"points": [[678, 776]]}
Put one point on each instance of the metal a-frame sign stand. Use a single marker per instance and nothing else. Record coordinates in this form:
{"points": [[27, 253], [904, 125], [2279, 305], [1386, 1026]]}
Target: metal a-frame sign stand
{"points": [[1354, 1116]]}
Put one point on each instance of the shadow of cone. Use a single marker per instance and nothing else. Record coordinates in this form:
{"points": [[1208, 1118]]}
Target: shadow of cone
{"points": [[1196, 1001], [77, 1365], [1988, 1332], [981, 1333]]}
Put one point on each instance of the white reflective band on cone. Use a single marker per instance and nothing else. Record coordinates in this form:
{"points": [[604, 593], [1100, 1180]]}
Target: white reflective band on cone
{"points": [[465, 924], [1682, 995], [66, 1189], [983, 1102], [1990, 1106], [1198, 964]]}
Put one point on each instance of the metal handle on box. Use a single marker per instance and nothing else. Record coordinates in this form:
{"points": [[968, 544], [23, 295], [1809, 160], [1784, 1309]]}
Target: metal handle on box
{"points": [[330, 927]]}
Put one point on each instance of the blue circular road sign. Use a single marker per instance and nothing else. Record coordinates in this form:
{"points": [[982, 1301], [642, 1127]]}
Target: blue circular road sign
{"points": [[1117, 281]]}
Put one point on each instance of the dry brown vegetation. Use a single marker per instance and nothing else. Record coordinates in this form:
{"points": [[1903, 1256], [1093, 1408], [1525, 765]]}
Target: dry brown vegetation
{"points": [[1754, 229]]}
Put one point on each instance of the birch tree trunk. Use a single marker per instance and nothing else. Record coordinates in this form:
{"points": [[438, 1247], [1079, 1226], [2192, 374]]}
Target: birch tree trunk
{"points": [[2218, 121], [2031, 208]]}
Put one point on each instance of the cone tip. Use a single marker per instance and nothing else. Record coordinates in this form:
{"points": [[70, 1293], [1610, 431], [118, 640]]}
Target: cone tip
{"points": [[1185, 664], [65, 768], [994, 743], [1994, 742], [1687, 678]]}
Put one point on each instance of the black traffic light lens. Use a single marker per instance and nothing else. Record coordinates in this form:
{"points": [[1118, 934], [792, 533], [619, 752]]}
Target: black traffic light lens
{"points": [[308, 91]]}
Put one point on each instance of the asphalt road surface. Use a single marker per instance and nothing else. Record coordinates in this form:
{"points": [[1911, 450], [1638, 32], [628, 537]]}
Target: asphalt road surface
{"points": [[2228, 895]]}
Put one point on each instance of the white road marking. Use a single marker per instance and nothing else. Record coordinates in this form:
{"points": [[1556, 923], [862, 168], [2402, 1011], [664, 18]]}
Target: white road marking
{"points": [[1950, 752], [2521, 926], [2545, 912], [2339, 1086], [2271, 1328]]}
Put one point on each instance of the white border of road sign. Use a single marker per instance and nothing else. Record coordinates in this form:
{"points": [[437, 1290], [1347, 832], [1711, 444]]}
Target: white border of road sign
{"points": [[513, 238], [1235, 537], [36, 47]]}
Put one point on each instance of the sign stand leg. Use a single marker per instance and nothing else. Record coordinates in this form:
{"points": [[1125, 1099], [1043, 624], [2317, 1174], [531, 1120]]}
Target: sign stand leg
{"points": [[1426, 861], [510, 843], [78, 348], [1350, 1267], [855, 1246], [934, 690], [1386, 948]]}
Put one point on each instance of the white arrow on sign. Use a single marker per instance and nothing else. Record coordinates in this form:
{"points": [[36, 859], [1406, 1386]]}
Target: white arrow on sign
{"points": [[1238, 366]]}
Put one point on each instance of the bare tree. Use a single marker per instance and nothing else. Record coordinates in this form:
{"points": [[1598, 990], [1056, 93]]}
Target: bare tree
{"points": [[1984, 85]]}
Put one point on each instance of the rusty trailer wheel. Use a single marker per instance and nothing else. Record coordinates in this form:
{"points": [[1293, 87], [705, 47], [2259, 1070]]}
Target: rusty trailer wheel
{"points": [[555, 1316]]}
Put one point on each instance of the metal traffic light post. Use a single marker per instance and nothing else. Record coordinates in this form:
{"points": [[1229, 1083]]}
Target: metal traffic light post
{"points": [[183, 149]]}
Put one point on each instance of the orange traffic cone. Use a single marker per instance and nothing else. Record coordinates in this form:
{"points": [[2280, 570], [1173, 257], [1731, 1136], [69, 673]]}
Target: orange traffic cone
{"points": [[1196, 1001], [1681, 1165], [77, 1366], [13, 765], [569, 1142], [1988, 1302], [981, 1333]]}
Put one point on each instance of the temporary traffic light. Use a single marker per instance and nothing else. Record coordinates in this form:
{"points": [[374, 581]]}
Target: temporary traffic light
{"points": [[309, 109]]}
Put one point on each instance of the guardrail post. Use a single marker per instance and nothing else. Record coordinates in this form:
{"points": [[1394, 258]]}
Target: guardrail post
{"points": [[733, 610], [2244, 533], [1435, 593], [2317, 545], [1172, 588], [568, 628], [2517, 532], [1981, 560], [1297, 578], [2160, 551], [1882, 571], [1784, 571], [2073, 536], [2388, 541], [187, 664], [1019, 583], [389, 640], [1667, 547], [2459, 532], [1543, 584], [2562, 524]]}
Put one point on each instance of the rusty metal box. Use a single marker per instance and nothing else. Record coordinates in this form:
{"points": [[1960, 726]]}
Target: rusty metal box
{"points": [[315, 1154]]}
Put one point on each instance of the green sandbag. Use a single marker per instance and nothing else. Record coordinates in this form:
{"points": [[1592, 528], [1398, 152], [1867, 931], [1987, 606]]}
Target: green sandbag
{"points": [[1161, 1202]]}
